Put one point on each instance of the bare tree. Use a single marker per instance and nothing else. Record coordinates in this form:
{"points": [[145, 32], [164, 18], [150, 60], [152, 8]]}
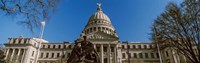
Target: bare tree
{"points": [[179, 27], [33, 11]]}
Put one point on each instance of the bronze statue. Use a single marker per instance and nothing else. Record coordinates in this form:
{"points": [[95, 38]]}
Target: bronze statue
{"points": [[83, 52]]}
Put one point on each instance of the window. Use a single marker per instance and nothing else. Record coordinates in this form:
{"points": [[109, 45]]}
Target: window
{"points": [[146, 55], [128, 46], [41, 55], [167, 54], [20, 41], [139, 46], [64, 46], [90, 29], [103, 28], [49, 46], [47, 55], [26, 40], [133, 46], [150, 46], [145, 46], [70, 46], [106, 28], [157, 55], [58, 54], [134, 55], [99, 28], [33, 53], [59, 46], [98, 49], [122, 46], [123, 55], [152, 55], [95, 22], [105, 49], [14, 40], [54, 46], [63, 56], [105, 60], [94, 28], [129, 55], [52, 55], [35, 44], [43, 46], [68, 54], [112, 49], [140, 54]]}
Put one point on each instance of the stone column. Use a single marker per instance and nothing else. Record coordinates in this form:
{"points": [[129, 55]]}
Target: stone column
{"points": [[115, 54], [101, 29], [108, 55], [18, 54], [12, 55], [24, 55], [7, 52], [102, 52], [174, 56], [95, 47]]}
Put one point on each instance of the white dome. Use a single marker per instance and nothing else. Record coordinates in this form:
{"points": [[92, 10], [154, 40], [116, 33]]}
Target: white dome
{"points": [[99, 15], [99, 22]]}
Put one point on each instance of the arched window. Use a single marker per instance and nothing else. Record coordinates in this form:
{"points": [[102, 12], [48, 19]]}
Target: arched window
{"points": [[49, 46], [41, 55], [103, 28], [52, 56], [90, 29], [95, 22], [54, 46], [47, 55], [19, 40], [99, 28], [14, 41], [140, 54], [69, 46], [87, 30], [43, 46], [94, 29], [59, 46], [98, 21]]}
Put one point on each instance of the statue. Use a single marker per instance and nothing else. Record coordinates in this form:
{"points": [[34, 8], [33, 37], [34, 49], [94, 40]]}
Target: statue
{"points": [[83, 52]]}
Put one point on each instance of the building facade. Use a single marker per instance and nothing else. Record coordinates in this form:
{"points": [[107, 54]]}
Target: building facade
{"points": [[101, 33]]}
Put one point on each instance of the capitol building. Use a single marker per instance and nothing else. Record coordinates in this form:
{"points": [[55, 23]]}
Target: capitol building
{"points": [[101, 33]]}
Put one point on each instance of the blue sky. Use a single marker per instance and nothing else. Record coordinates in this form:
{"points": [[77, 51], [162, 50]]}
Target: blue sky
{"points": [[131, 18]]}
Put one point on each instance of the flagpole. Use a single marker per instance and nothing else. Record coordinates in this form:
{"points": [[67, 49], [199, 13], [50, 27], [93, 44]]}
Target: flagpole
{"points": [[42, 32], [41, 36]]}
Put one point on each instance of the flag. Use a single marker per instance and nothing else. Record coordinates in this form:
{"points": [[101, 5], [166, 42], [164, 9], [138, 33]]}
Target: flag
{"points": [[43, 23]]}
